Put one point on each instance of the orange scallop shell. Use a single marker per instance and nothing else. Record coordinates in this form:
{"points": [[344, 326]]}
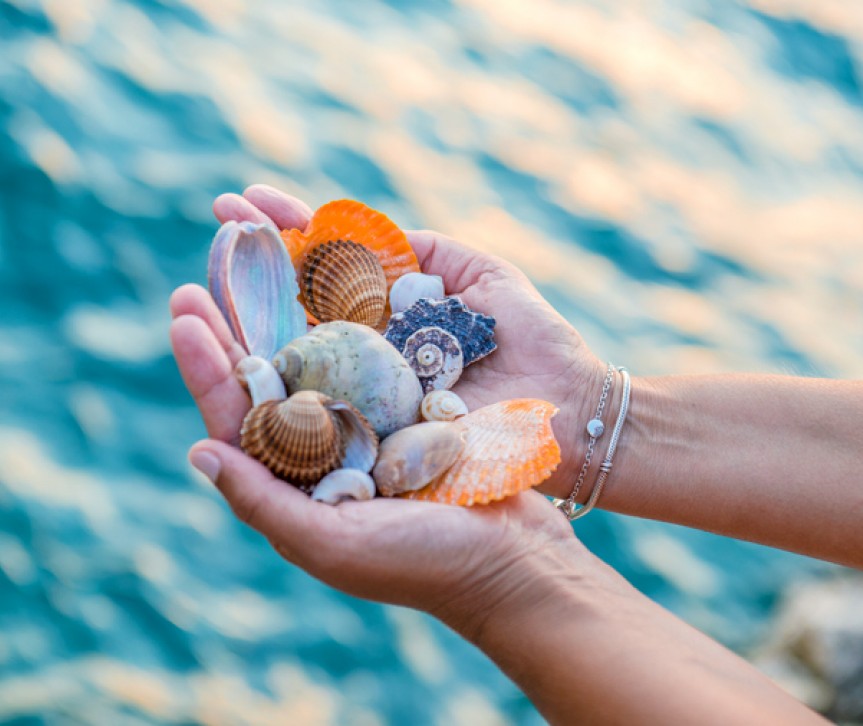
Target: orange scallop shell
{"points": [[509, 448], [347, 219]]}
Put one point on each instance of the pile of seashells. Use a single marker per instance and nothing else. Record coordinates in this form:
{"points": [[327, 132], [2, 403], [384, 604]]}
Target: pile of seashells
{"points": [[340, 317]]}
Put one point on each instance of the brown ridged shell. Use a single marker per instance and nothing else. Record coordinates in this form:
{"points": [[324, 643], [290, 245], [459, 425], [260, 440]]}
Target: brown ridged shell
{"points": [[343, 280], [299, 439]]}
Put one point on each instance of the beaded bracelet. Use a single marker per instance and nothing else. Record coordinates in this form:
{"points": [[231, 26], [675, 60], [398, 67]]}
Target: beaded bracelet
{"points": [[595, 429]]}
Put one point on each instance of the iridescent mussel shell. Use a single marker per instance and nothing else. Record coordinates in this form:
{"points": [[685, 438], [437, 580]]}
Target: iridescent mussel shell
{"points": [[435, 357], [353, 363], [509, 448], [305, 437], [253, 282], [414, 456], [474, 331], [442, 406], [411, 287], [347, 219], [342, 280]]}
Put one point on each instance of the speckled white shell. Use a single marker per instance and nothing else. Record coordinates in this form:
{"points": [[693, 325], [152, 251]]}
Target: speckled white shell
{"points": [[353, 363]]}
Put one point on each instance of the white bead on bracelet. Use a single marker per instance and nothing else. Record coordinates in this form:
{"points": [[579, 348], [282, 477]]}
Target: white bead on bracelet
{"points": [[568, 505]]}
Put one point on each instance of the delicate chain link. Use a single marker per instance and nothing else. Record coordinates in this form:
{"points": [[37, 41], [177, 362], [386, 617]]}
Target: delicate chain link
{"points": [[568, 504]]}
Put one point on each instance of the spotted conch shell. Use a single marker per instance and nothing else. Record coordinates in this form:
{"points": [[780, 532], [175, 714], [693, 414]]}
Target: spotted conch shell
{"points": [[509, 448], [346, 219], [411, 287], [474, 331], [353, 363], [253, 282], [307, 436], [412, 457], [442, 406], [435, 357], [343, 280]]}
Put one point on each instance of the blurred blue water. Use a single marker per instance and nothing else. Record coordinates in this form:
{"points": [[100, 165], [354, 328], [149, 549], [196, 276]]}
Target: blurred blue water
{"points": [[684, 183]]}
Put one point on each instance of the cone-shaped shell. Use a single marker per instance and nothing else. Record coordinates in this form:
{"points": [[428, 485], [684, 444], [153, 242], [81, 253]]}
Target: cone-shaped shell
{"points": [[260, 380], [412, 457], [442, 406], [509, 448], [299, 440], [342, 280], [474, 331], [253, 282], [346, 219], [353, 363]]}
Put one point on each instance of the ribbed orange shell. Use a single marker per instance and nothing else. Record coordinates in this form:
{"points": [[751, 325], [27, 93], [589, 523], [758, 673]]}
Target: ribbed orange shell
{"points": [[509, 448], [298, 439], [351, 220], [343, 280]]}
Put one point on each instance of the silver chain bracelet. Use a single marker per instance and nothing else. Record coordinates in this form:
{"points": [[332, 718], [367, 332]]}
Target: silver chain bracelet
{"points": [[595, 429]]}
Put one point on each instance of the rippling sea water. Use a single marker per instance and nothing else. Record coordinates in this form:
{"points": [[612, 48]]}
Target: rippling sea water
{"points": [[684, 180]]}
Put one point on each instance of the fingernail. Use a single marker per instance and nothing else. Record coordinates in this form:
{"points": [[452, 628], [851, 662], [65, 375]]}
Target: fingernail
{"points": [[206, 463]]}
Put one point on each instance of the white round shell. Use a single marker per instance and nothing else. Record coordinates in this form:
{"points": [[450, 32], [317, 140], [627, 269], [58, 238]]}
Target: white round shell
{"points": [[411, 287], [344, 484]]}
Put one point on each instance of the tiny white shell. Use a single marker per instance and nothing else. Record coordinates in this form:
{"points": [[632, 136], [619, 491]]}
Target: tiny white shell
{"points": [[411, 287], [442, 406], [344, 484], [260, 379]]}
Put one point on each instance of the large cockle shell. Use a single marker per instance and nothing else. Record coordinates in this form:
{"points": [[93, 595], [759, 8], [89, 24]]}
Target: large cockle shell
{"points": [[412, 457], [411, 287], [342, 280], [352, 362], [435, 357], [474, 331], [442, 406], [307, 436], [260, 380], [253, 282], [509, 448], [347, 219], [343, 484]]}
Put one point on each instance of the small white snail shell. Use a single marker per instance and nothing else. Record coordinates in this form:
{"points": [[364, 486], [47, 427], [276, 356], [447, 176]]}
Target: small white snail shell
{"points": [[344, 484], [442, 406], [411, 287]]}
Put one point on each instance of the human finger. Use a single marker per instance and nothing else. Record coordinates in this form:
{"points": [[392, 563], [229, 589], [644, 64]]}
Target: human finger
{"points": [[195, 300], [229, 207], [301, 529], [209, 375], [285, 210]]}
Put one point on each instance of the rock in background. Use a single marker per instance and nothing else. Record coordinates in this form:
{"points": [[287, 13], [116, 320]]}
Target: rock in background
{"points": [[815, 649]]}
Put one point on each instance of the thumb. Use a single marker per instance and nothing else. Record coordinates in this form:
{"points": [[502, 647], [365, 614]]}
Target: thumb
{"points": [[278, 510]]}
